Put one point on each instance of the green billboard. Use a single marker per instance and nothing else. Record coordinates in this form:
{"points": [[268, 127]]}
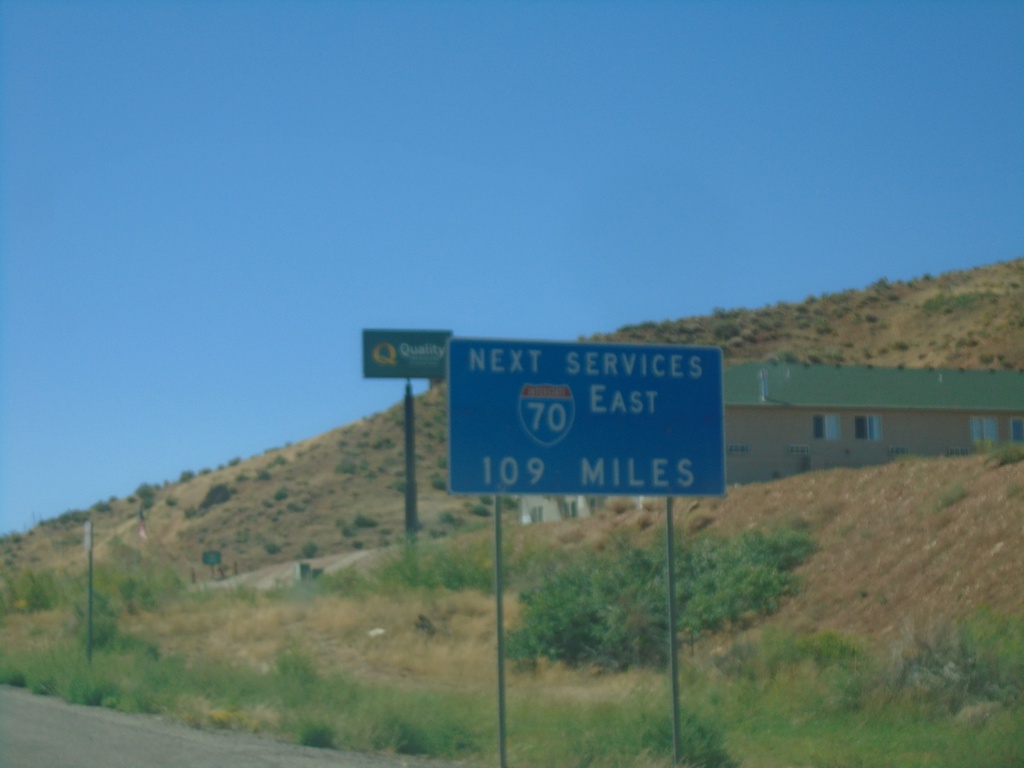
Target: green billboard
{"points": [[396, 354]]}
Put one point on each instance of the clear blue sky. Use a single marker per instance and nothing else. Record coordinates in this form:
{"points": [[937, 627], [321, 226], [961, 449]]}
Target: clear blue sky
{"points": [[203, 203]]}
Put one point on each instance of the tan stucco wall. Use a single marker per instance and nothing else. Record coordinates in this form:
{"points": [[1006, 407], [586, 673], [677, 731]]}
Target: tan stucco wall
{"points": [[769, 430]]}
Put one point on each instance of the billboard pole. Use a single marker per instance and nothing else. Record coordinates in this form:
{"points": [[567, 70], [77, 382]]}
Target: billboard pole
{"points": [[411, 523]]}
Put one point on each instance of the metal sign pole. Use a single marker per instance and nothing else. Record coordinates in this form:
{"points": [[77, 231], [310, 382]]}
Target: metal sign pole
{"points": [[673, 644], [88, 620], [499, 590], [411, 523]]}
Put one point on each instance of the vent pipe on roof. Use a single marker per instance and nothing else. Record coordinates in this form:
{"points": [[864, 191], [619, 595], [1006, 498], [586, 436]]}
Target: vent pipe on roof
{"points": [[763, 381]]}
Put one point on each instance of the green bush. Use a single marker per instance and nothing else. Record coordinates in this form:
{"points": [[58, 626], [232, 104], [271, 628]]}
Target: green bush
{"points": [[724, 580], [309, 549], [433, 565], [608, 608], [69, 517], [1007, 453], [365, 521], [448, 517], [146, 494], [218, 494], [316, 733], [33, 590]]}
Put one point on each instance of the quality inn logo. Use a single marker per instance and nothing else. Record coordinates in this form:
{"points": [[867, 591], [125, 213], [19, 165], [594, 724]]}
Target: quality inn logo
{"points": [[385, 354]]}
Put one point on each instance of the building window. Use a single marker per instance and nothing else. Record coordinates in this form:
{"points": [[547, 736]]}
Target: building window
{"points": [[826, 426], [868, 427], [899, 450], [802, 450], [738, 448], [983, 429], [1017, 430]]}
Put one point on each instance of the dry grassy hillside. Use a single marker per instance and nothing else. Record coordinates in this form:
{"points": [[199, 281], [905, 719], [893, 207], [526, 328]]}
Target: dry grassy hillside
{"points": [[970, 319], [905, 545], [337, 492], [890, 544]]}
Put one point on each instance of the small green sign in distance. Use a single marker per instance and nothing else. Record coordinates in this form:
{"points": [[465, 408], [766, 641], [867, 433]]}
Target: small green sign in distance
{"points": [[211, 557], [397, 354]]}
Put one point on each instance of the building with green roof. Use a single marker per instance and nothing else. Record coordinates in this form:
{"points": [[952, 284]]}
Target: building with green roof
{"points": [[786, 418]]}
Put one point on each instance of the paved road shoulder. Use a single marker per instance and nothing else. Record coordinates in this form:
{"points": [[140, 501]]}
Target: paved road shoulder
{"points": [[44, 732]]}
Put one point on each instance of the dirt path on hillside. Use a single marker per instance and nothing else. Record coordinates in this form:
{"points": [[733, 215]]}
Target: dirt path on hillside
{"points": [[283, 574]]}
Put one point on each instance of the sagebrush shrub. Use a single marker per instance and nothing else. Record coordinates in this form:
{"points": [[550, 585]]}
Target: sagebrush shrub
{"points": [[609, 608]]}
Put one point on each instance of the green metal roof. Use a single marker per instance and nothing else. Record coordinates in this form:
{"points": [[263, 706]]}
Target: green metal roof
{"points": [[862, 387]]}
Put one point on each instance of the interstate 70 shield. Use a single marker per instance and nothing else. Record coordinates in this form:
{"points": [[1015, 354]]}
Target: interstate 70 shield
{"points": [[546, 412]]}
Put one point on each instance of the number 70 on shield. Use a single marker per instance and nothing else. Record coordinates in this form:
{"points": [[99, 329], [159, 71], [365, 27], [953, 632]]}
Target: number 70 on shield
{"points": [[506, 470]]}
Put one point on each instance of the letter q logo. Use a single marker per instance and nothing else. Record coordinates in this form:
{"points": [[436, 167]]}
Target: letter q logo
{"points": [[385, 354]]}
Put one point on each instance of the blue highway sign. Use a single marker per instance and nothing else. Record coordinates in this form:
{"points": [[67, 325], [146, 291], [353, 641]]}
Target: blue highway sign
{"points": [[537, 417]]}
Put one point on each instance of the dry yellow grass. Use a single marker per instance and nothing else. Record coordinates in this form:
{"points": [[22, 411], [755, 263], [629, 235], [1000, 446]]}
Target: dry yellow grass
{"points": [[372, 638], [342, 635]]}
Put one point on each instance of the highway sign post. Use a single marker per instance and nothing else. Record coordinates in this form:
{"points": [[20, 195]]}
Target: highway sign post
{"points": [[552, 418], [211, 557], [89, 599]]}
